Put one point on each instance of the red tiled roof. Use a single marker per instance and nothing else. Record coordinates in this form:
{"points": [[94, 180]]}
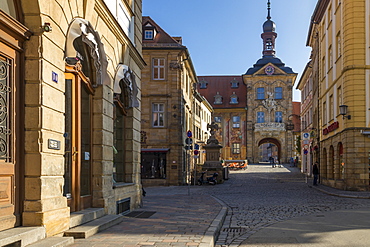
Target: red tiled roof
{"points": [[161, 37], [222, 85]]}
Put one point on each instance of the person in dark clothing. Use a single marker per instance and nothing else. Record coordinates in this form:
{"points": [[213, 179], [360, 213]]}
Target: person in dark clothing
{"points": [[271, 159], [315, 172]]}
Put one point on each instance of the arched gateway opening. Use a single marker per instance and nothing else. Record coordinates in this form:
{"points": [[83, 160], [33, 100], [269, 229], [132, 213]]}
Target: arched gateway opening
{"points": [[269, 147]]}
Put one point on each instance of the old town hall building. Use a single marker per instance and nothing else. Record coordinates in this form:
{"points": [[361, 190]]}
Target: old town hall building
{"points": [[254, 111]]}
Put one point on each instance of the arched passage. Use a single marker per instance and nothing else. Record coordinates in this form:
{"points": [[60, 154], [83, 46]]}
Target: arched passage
{"points": [[273, 149]]}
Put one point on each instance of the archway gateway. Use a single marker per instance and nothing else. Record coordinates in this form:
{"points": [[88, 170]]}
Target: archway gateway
{"points": [[269, 147]]}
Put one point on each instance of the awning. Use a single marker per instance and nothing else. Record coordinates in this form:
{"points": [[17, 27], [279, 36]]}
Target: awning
{"points": [[83, 28], [155, 150]]}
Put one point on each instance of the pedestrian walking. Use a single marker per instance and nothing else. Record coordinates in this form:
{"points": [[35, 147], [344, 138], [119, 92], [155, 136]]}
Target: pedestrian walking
{"points": [[272, 161], [277, 163], [315, 172]]}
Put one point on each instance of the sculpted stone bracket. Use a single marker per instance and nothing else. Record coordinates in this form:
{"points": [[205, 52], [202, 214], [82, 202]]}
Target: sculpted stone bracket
{"points": [[124, 80], [83, 28]]}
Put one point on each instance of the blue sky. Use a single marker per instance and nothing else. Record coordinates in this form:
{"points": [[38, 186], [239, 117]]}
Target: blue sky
{"points": [[224, 37]]}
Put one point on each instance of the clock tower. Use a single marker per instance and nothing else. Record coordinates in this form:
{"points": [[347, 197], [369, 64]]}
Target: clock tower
{"points": [[269, 34], [269, 108]]}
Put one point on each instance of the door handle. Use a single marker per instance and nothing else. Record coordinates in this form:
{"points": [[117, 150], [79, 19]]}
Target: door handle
{"points": [[74, 153]]}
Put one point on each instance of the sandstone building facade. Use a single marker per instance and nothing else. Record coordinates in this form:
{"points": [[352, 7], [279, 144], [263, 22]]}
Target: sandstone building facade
{"points": [[171, 106], [70, 109], [339, 38], [255, 109]]}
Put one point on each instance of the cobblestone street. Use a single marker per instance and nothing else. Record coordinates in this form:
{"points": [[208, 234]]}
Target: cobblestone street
{"points": [[261, 196]]}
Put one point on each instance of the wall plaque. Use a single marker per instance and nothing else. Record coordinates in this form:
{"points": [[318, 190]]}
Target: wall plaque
{"points": [[53, 144]]}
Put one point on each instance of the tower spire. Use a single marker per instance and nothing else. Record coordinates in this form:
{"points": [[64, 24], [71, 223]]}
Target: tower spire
{"points": [[269, 34]]}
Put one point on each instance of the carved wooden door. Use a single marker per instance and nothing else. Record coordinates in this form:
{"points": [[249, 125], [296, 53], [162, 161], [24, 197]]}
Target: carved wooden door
{"points": [[9, 138], [78, 136]]}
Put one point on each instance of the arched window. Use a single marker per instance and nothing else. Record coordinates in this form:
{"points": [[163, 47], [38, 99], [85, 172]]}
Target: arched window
{"points": [[331, 163], [341, 163], [119, 115], [324, 164]]}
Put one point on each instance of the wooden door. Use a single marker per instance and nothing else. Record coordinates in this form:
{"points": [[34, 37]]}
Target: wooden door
{"points": [[9, 114], [78, 137]]}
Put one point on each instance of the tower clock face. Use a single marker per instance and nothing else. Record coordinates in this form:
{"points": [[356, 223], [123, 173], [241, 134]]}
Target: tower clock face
{"points": [[269, 70]]}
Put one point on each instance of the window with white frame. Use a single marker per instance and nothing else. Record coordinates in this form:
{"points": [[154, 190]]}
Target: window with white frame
{"points": [[234, 83], [217, 119], [330, 61], [218, 99], [278, 117], [203, 84], [331, 107], [339, 45], [236, 148], [148, 34], [278, 92], [236, 121], [339, 96], [123, 15], [158, 115], [261, 93], [158, 68], [234, 99], [260, 117]]}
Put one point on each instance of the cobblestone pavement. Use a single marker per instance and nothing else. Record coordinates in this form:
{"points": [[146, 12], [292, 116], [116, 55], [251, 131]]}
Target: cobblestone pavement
{"points": [[262, 195], [256, 198]]}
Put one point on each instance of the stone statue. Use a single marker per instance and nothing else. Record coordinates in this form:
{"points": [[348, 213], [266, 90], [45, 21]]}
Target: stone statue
{"points": [[213, 127]]}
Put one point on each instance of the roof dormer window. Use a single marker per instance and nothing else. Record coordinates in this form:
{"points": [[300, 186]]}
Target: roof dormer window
{"points": [[234, 83], [203, 84], [218, 99], [234, 99], [149, 34]]}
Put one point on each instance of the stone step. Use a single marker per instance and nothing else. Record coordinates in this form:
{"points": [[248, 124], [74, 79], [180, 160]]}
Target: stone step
{"points": [[53, 242], [22, 236], [84, 216], [93, 227]]}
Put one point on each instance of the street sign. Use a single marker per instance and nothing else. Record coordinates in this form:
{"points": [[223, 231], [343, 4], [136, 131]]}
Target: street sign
{"points": [[306, 136], [196, 146], [196, 152], [305, 152], [189, 147], [188, 141], [189, 134]]}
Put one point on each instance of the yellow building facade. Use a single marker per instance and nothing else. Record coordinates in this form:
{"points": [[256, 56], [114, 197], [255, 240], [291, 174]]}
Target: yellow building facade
{"points": [[70, 96], [339, 37], [269, 83]]}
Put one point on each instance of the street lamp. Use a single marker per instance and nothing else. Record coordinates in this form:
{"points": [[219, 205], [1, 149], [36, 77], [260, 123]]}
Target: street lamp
{"points": [[343, 111]]}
